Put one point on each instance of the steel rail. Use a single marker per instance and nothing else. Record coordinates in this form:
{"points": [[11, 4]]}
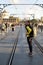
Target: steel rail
{"points": [[38, 45], [13, 51]]}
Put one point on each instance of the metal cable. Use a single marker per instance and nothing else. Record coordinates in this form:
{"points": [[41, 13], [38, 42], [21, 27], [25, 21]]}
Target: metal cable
{"points": [[34, 4]]}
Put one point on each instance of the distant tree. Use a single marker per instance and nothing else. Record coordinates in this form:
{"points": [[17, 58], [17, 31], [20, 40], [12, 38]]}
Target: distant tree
{"points": [[34, 21]]}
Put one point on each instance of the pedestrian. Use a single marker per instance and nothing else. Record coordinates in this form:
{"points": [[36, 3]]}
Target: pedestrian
{"points": [[29, 35], [6, 26]]}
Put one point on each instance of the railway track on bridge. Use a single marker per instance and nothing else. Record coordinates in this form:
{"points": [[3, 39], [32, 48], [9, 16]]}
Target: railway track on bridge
{"points": [[38, 45], [13, 50]]}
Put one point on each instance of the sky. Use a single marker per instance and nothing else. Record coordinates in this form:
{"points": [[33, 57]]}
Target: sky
{"points": [[23, 11]]}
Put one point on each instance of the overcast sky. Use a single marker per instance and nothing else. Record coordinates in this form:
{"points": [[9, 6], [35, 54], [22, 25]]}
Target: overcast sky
{"points": [[23, 10]]}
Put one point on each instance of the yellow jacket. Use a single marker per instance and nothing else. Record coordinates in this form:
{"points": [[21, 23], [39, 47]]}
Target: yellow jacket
{"points": [[28, 31]]}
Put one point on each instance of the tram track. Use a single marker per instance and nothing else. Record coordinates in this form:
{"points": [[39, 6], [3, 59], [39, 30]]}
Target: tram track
{"points": [[13, 50], [8, 43], [38, 45]]}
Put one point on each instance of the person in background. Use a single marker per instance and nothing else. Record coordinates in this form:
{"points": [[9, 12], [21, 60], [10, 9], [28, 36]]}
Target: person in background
{"points": [[6, 26], [29, 35]]}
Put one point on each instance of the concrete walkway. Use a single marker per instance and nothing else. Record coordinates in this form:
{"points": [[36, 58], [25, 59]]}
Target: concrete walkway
{"points": [[6, 45], [21, 56]]}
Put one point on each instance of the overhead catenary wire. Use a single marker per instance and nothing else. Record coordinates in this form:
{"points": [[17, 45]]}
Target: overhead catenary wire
{"points": [[34, 4]]}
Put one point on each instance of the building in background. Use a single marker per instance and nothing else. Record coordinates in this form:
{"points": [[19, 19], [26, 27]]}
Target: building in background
{"points": [[11, 20], [1, 18]]}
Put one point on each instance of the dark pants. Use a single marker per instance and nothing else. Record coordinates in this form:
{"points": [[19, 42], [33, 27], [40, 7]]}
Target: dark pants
{"points": [[30, 44]]}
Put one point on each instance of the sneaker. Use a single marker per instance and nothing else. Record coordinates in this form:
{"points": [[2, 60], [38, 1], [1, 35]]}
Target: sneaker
{"points": [[30, 54]]}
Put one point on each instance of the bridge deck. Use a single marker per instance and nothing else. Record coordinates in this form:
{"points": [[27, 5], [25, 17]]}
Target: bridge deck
{"points": [[21, 56]]}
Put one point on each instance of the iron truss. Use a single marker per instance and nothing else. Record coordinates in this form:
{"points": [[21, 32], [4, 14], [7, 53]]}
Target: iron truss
{"points": [[5, 5]]}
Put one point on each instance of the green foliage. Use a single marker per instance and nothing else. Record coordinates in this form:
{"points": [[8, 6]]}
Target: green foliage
{"points": [[34, 21]]}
